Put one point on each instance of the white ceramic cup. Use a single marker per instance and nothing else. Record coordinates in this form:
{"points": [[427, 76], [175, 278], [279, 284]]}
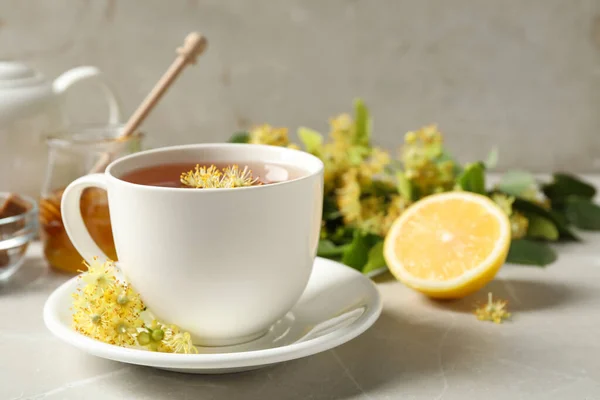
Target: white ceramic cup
{"points": [[223, 264]]}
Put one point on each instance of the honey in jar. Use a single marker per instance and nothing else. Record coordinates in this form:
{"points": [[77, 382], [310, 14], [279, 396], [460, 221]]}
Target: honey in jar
{"points": [[58, 249], [72, 153]]}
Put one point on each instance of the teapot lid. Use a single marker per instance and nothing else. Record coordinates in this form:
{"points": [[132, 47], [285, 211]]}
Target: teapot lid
{"points": [[15, 74]]}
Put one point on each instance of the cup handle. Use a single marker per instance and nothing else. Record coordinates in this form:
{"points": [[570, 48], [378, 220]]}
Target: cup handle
{"points": [[69, 78], [73, 221]]}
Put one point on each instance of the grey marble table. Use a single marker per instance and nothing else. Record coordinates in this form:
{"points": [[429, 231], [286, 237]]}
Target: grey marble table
{"points": [[418, 349]]}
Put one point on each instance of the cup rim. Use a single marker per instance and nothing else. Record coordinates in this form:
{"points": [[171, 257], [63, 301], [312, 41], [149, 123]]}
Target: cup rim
{"points": [[317, 171]]}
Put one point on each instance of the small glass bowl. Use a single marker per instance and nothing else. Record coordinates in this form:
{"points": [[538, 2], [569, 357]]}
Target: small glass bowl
{"points": [[15, 235]]}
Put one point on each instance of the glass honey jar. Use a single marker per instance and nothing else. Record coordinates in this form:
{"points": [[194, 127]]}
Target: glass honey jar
{"points": [[72, 153]]}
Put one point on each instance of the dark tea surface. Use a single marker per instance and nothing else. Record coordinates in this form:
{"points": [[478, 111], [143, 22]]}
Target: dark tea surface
{"points": [[168, 175]]}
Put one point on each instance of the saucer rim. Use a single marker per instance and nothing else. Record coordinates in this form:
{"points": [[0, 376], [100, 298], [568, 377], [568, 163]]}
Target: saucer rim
{"points": [[373, 307]]}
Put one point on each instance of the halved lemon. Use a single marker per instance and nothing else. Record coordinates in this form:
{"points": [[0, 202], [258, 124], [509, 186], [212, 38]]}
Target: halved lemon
{"points": [[448, 245]]}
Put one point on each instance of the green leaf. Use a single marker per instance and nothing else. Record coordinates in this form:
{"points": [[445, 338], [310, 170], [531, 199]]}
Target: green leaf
{"points": [[444, 157], [582, 213], [404, 186], [357, 253], [560, 217], [330, 210], [356, 154], [528, 207], [433, 151], [342, 235], [240, 137], [472, 178], [375, 259], [516, 183], [541, 228], [529, 252], [565, 185], [492, 159], [363, 124], [381, 188], [328, 249], [393, 166], [312, 140]]}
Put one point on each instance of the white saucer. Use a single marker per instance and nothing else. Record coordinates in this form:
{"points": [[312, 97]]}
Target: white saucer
{"points": [[338, 304]]}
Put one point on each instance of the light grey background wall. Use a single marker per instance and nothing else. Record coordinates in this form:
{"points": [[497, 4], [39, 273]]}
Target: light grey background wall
{"points": [[520, 74]]}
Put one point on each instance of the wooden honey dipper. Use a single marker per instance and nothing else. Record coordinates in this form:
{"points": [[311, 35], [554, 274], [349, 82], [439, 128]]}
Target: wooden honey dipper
{"points": [[193, 45]]}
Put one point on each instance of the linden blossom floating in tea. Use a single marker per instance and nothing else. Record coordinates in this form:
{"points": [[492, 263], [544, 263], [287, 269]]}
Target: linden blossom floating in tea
{"points": [[212, 175], [215, 178]]}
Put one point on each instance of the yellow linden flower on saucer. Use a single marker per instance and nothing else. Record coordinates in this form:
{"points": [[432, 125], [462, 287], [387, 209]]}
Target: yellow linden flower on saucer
{"points": [[121, 331], [129, 302], [90, 321], [156, 336], [494, 311], [151, 335], [111, 311], [178, 342], [99, 276]]}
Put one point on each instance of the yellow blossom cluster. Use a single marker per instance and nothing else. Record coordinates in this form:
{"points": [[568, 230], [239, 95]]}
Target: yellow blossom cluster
{"points": [[266, 134], [424, 164], [110, 310], [215, 178], [494, 311], [354, 173], [105, 309], [518, 222], [166, 338], [362, 206], [366, 190], [341, 154], [371, 212]]}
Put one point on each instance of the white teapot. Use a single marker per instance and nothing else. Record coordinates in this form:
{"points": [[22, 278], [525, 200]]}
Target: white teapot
{"points": [[31, 108]]}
